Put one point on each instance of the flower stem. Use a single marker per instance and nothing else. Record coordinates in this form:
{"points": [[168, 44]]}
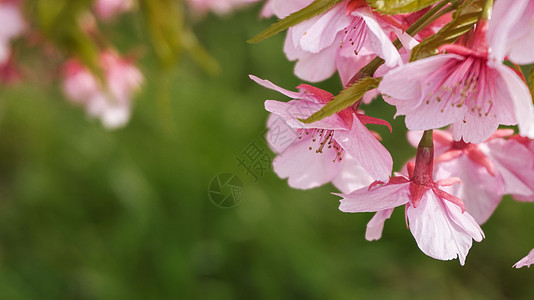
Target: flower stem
{"points": [[424, 160]]}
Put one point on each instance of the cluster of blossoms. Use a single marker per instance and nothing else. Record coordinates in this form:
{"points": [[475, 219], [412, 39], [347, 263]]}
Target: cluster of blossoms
{"points": [[455, 85], [95, 75]]}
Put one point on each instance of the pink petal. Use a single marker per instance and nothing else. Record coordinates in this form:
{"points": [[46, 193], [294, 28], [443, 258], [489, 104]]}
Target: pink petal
{"points": [[305, 168], [436, 234], [351, 176], [379, 40], [347, 67], [322, 32], [283, 8], [517, 170], [407, 93], [525, 261], [520, 96], [12, 21], [279, 134], [384, 197], [316, 67], [480, 191], [510, 31], [366, 150], [398, 86], [302, 109], [376, 225], [272, 86]]}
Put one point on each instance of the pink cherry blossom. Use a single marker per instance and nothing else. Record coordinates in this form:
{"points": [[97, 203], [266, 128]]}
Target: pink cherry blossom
{"points": [[336, 149], [511, 31], [465, 88], [525, 261], [437, 219], [440, 227], [345, 38], [107, 9], [487, 170], [217, 6], [110, 101], [12, 26]]}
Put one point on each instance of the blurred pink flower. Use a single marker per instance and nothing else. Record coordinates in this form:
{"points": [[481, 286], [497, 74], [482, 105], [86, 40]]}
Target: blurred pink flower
{"points": [[217, 6], [12, 25], [338, 148], [464, 88], [107, 9], [525, 261], [437, 220], [511, 31], [110, 101]]}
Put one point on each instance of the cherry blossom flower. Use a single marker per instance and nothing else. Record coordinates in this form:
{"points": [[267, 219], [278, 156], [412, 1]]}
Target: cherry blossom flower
{"points": [[107, 9], [109, 101], [345, 38], [437, 219], [338, 148], [217, 6], [12, 26], [525, 261], [465, 88], [511, 31], [487, 170]]}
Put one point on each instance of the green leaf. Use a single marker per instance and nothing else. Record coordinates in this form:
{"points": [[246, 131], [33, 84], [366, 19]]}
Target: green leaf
{"points": [[531, 82], [315, 8], [393, 7], [345, 99], [165, 20], [463, 20]]}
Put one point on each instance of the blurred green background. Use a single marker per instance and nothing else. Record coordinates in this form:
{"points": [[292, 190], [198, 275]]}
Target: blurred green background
{"points": [[90, 214]]}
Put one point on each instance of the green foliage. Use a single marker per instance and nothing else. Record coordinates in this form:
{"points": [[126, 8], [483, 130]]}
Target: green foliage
{"points": [[165, 20], [171, 36], [315, 8], [58, 21], [463, 20], [345, 99], [400, 6]]}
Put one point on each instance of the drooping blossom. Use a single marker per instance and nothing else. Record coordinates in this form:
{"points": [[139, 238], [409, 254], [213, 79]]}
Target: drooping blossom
{"points": [[107, 9], [525, 261], [337, 149], [12, 26], [110, 101], [487, 170], [438, 220], [511, 32], [217, 6], [465, 87], [344, 38]]}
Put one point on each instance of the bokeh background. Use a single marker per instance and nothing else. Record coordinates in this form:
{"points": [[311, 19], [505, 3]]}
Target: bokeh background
{"points": [[87, 213]]}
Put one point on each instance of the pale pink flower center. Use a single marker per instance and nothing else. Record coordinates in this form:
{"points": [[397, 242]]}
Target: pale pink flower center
{"points": [[320, 139], [458, 83], [355, 35]]}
